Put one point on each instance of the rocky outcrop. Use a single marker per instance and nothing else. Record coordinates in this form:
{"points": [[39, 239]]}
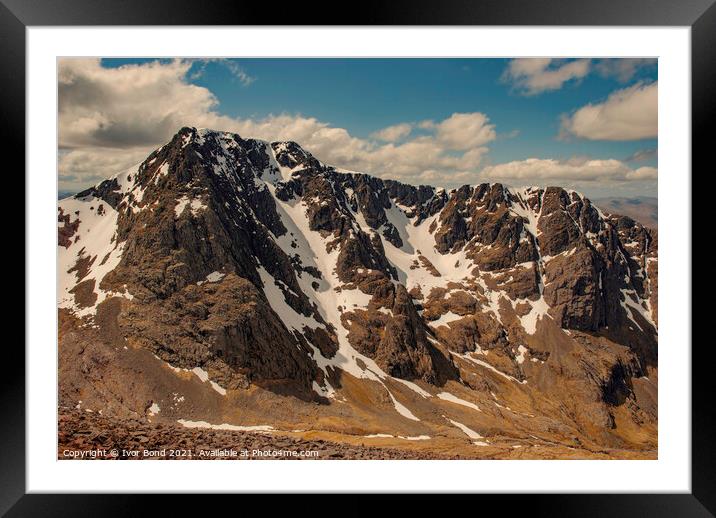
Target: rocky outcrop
{"points": [[479, 219], [391, 332], [225, 328], [404, 350], [66, 232], [108, 190]]}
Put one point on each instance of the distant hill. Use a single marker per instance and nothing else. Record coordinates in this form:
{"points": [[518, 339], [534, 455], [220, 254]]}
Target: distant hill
{"points": [[643, 209]]}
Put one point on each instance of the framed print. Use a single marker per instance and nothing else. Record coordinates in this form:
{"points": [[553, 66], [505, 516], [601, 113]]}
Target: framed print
{"points": [[421, 255]]}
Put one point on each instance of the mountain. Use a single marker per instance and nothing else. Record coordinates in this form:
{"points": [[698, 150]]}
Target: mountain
{"points": [[231, 283], [643, 209]]}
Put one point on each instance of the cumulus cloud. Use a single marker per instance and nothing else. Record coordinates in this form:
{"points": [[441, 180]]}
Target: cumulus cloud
{"points": [[129, 106], [393, 133], [111, 118], [531, 76], [627, 114], [576, 169], [463, 131]]}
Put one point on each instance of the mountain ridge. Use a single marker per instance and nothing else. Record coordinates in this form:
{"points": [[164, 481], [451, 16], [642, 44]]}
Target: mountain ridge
{"points": [[260, 266]]}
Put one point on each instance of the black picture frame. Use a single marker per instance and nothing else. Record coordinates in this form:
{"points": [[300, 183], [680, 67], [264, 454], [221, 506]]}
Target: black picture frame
{"points": [[700, 15]]}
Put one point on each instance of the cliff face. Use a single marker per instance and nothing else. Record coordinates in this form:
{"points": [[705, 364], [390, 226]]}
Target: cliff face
{"points": [[254, 265]]}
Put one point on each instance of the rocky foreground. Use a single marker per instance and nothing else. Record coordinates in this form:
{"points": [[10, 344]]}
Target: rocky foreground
{"points": [[91, 436], [134, 439]]}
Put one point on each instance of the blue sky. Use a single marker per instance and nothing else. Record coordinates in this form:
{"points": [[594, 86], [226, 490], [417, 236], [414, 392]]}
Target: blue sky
{"points": [[363, 96]]}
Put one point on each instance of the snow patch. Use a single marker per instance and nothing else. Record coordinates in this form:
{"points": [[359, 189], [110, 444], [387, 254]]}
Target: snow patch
{"points": [[212, 277], [414, 387], [289, 316], [445, 319], [472, 434], [94, 241], [195, 205], [447, 396], [521, 351], [488, 366], [629, 303], [224, 426], [401, 409]]}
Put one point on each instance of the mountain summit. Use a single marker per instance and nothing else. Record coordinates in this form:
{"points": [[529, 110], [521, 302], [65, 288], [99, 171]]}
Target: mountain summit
{"points": [[236, 282]]}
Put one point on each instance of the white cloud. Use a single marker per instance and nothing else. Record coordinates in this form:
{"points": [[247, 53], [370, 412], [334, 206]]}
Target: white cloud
{"points": [[574, 170], [129, 106], [627, 114], [393, 133], [531, 76], [110, 119], [463, 131]]}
